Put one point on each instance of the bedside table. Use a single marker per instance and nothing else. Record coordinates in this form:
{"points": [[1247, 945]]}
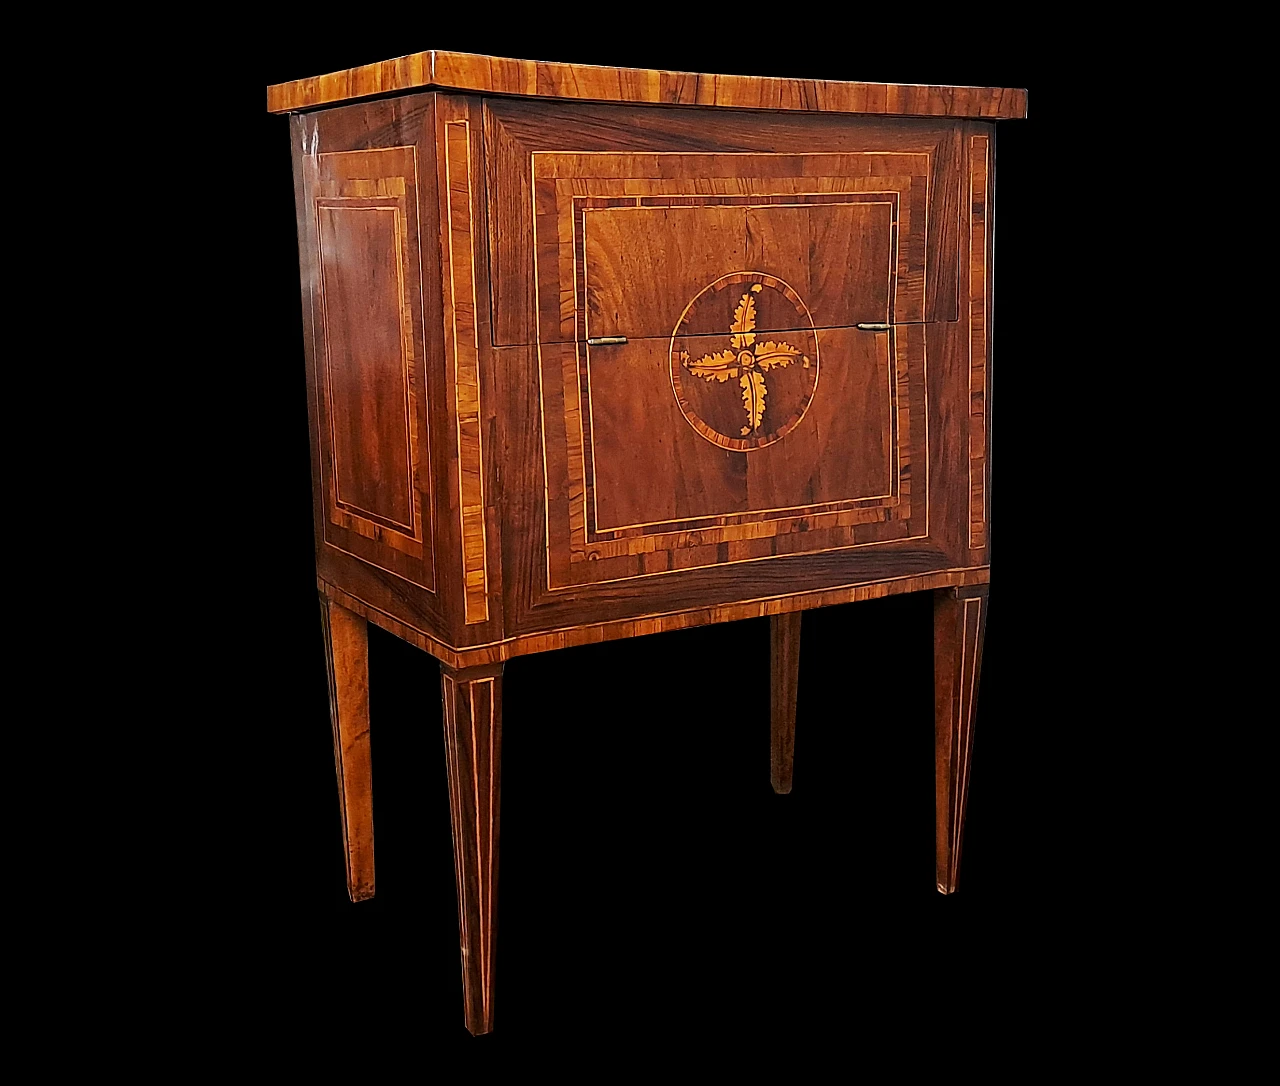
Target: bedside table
{"points": [[595, 352]]}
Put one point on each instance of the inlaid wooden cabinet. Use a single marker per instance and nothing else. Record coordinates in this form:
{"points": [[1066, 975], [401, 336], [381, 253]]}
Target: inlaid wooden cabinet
{"points": [[595, 353]]}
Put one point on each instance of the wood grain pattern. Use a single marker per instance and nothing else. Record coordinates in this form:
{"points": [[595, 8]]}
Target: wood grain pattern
{"points": [[490, 484], [395, 152], [591, 633], [643, 246], [784, 686], [979, 241], [842, 478], [601, 408], [347, 660], [495, 75], [366, 367], [369, 279], [593, 420], [543, 155], [466, 367], [959, 626], [473, 748], [364, 331], [559, 522], [645, 256]]}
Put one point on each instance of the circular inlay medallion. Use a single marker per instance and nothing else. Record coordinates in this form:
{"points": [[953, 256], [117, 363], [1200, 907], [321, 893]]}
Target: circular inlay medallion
{"points": [[744, 361]]}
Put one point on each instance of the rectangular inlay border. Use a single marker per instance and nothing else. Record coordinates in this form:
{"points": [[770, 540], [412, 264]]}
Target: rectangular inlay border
{"points": [[560, 380], [384, 178], [326, 209], [757, 520]]}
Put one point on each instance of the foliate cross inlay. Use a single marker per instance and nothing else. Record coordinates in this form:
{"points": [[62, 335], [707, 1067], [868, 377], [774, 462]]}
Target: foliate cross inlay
{"points": [[764, 367], [746, 360]]}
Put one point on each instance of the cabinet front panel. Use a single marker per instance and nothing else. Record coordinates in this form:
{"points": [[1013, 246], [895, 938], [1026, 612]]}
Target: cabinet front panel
{"points": [[745, 416], [711, 422]]}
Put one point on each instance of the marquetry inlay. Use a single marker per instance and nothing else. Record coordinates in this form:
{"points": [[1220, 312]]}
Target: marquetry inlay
{"points": [[664, 249], [631, 370], [836, 249], [749, 360], [472, 737], [956, 733]]}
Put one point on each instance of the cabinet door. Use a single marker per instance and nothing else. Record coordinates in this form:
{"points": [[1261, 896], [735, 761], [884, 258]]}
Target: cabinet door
{"points": [[707, 399], [638, 237], [745, 415]]}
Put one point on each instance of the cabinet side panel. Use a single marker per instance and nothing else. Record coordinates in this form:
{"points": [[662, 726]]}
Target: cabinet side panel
{"points": [[366, 187], [374, 443], [367, 372]]}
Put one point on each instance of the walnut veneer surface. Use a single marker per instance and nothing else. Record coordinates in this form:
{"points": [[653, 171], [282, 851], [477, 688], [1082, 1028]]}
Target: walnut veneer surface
{"points": [[475, 74], [597, 352]]}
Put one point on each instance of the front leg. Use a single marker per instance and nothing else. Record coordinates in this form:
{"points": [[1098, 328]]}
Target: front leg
{"points": [[473, 742], [959, 623]]}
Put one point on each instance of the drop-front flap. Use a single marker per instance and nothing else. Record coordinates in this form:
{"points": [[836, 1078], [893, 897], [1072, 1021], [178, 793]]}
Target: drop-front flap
{"points": [[639, 239], [602, 226]]}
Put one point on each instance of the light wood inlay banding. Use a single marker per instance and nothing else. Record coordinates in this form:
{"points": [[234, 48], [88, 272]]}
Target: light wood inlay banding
{"points": [[472, 734], [466, 369], [959, 623], [979, 147], [971, 619]]}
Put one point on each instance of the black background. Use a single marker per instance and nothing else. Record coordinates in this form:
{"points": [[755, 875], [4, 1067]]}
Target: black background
{"points": [[652, 886]]}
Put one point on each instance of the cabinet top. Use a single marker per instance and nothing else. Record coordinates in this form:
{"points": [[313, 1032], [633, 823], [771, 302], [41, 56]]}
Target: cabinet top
{"points": [[475, 74]]}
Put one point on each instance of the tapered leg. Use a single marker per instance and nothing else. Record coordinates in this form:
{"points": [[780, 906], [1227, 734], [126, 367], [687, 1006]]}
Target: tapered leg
{"points": [[959, 623], [346, 642], [473, 747], [784, 664]]}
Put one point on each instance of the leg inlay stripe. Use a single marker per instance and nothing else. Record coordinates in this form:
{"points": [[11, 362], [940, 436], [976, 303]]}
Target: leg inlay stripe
{"points": [[962, 742]]}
